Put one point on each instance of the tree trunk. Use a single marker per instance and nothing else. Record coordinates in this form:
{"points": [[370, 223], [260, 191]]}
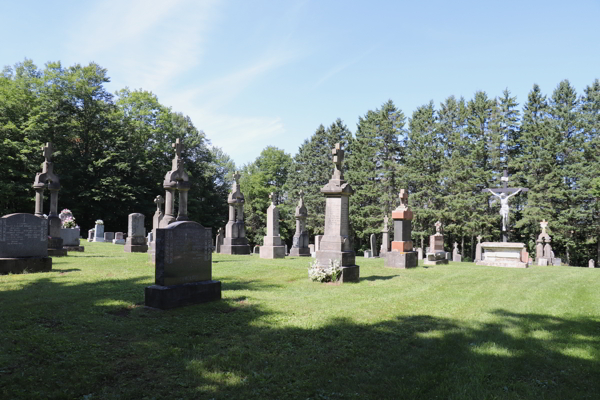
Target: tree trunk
{"points": [[462, 246]]}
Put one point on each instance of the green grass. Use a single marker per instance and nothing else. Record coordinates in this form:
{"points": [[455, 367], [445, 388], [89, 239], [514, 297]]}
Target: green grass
{"points": [[455, 331]]}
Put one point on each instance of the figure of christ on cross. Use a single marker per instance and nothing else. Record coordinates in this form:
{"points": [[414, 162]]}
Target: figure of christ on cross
{"points": [[338, 159], [503, 195], [47, 149]]}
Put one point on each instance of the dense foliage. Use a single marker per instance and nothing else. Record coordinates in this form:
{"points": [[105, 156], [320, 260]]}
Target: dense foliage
{"points": [[113, 151]]}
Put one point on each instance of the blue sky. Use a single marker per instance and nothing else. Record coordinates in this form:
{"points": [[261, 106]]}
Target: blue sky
{"points": [[258, 73]]}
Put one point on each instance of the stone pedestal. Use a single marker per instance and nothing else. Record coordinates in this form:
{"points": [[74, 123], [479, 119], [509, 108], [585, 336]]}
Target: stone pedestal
{"points": [[502, 254], [435, 258], [402, 254], [335, 244], [136, 234], [300, 240], [235, 241], [272, 246], [385, 238], [183, 267]]}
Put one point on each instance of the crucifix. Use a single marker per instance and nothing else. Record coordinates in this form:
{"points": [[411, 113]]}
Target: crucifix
{"points": [[338, 159], [178, 146], [272, 197], [47, 149], [504, 193]]}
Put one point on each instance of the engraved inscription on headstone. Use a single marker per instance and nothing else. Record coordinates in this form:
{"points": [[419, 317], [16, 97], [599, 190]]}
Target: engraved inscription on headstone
{"points": [[183, 253], [23, 235]]}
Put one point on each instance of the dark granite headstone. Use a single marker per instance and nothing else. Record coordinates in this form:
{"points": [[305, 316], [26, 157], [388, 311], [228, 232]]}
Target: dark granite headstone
{"points": [[24, 244], [183, 267]]}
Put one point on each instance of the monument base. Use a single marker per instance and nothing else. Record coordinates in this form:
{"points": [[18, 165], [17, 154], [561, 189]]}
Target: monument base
{"points": [[20, 265], [57, 252], [135, 248], [167, 297], [435, 258], [503, 254], [235, 249], [346, 258], [350, 274], [396, 259], [97, 239], [118, 241], [300, 252], [74, 248], [272, 251]]}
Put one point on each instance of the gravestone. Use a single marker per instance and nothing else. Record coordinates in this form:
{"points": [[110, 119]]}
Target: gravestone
{"points": [[335, 244], [272, 246], [435, 253], [402, 254], [235, 241], [71, 241], [503, 254], [136, 234], [118, 238], [591, 264], [543, 249], [43, 179], [478, 249], [219, 241], [419, 253], [256, 249], [91, 235], [373, 242], [368, 254], [556, 261], [318, 242], [300, 240], [456, 257], [156, 220], [99, 233], [183, 267], [109, 236], [385, 238], [24, 244], [311, 247], [175, 180]]}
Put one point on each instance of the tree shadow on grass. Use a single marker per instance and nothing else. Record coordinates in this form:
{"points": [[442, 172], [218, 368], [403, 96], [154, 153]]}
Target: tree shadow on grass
{"points": [[377, 277], [95, 339]]}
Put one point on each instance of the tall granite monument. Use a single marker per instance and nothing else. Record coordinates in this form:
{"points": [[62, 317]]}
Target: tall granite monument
{"points": [[300, 240], [49, 178], [385, 237], [24, 244], [136, 234], [335, 244], [402, 254], [235, 241], [176, 180], [272, 246], [436, 254], [156, 220], [183, 272], [543, 249]]}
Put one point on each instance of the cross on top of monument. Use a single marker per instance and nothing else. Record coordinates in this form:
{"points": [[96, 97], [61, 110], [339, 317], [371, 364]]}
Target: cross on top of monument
{"points": [[479, 238], [178, 146], [338, 156], [47, 151], [236, 176], [543, 225], [438, 225], [403, 197], [159, 201], [271, 196], [301, 194]]}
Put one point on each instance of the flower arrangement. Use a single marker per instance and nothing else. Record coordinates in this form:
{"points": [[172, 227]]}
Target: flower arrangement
{"points": [[67, 219], [331, 273], [99, 222]]}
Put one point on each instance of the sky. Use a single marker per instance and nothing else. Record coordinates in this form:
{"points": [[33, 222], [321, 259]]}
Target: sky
{"points": [[253, 74]]}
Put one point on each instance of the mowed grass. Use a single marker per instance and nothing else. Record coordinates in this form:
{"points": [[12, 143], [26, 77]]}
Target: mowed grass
{"points": [[457, 331]]}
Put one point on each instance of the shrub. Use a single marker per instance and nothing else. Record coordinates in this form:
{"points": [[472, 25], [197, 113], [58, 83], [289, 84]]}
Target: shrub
{"points": [[330, 273]]}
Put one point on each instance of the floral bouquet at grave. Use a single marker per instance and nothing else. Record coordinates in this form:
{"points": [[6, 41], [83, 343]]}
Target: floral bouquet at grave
{"points": [[67, 219], [329, 273], [99, 222]]}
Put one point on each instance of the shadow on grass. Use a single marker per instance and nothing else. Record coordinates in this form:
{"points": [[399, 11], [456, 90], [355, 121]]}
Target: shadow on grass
{"points": [[378, 277], [95, 341], [62, 271]]}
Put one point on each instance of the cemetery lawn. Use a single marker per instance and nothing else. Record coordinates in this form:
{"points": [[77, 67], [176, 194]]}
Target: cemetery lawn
{"points": [[455, 331]]}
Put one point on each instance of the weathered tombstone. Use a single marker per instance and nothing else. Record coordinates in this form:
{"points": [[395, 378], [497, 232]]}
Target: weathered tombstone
{"points": [[402, 254], [136, 234], [385, 238], [335, 244], [311, 247], [272, 246], [287, 253], [503, 254], [435, 253], [543, 249], [235, 241], [70, 235], [175, 180], [156, 220], [373, 242], [219, 241], [456, 257], [478, 249], [256, 249], [368, 254], [91, 235], [118, 238], [183, 267], [149, 239], [109, 236], [318, 242], [24, 244], [556, 261], [300, 240], [419, 253], [591, 264], [99, 231], [47, 177]]}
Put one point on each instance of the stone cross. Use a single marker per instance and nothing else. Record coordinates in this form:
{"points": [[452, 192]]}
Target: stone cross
{"points": [[47, 151], [438, 225], [271, 197], [236, 177], [478, 239], [178, 146], [301, 194], [385, 223], [403, 197], [159, 202], [543, 225], [338, 156]]}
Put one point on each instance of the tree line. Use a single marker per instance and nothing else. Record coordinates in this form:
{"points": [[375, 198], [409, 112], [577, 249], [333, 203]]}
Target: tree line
{"points": [[114, 149]]}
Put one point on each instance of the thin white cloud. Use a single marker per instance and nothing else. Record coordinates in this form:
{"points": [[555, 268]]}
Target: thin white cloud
{"points": [[339, 68]]}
